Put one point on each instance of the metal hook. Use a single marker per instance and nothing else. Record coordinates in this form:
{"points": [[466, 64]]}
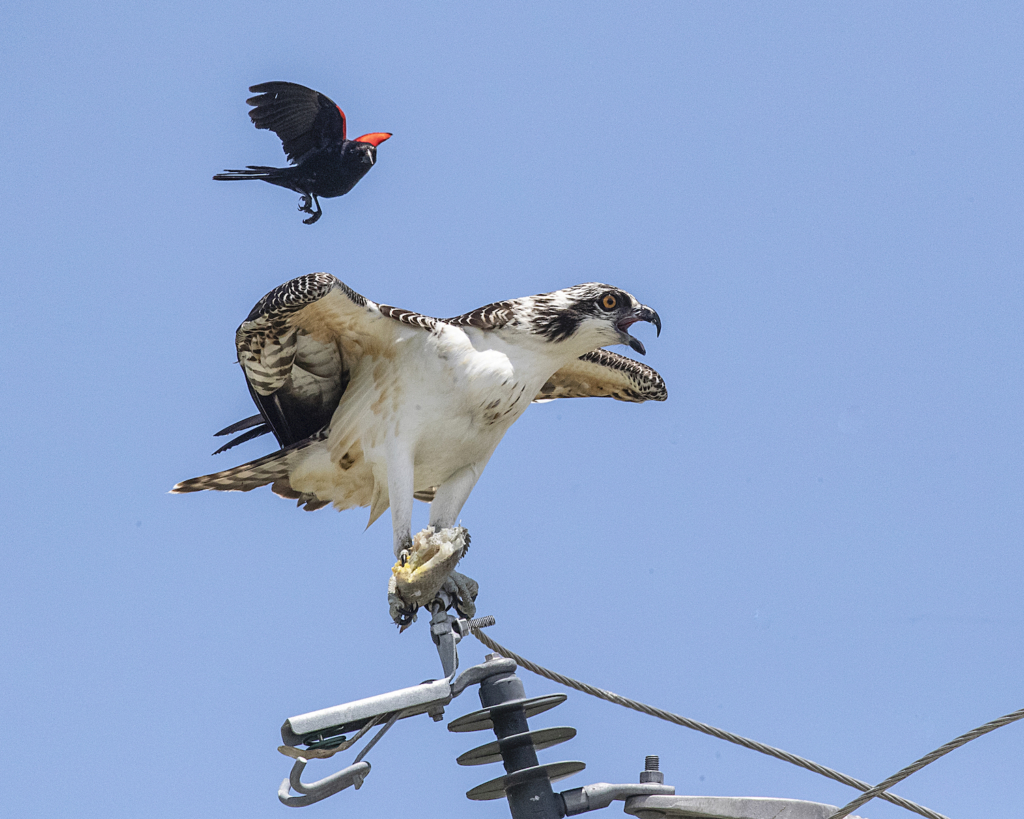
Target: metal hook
{"points": [[321, 789], [354, 774]]}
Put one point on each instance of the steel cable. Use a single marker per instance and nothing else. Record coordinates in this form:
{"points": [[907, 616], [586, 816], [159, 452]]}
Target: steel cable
{"points": [[710, 730], [927, 759]]}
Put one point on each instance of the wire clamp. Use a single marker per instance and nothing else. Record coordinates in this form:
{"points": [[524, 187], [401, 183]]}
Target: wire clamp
{"points": [[329, 731]]}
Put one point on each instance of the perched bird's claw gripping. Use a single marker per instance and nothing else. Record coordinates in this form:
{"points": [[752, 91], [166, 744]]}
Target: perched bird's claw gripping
{"points": [[402, 617], [462, 591], [424, 575]]}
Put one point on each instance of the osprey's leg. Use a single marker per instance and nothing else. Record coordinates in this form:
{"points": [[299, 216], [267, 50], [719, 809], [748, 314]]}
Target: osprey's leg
{"points": [[452, 495], [400, 480], [444, 514], [427, 576]]}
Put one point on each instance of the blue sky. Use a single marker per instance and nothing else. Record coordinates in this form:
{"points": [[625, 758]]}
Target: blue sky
{"points": [[816, 541]]}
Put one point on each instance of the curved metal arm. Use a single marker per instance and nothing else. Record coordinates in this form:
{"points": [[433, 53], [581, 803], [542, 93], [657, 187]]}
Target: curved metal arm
{"points": [[330, 785], [322, 788], [429, 697]]}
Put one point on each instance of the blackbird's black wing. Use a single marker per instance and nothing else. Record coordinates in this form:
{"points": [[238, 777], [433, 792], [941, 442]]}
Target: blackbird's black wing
{"points": [[304, 119]]}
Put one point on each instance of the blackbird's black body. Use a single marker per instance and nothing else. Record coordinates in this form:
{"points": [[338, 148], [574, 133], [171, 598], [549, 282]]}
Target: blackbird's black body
{"points": [[312, 132]]}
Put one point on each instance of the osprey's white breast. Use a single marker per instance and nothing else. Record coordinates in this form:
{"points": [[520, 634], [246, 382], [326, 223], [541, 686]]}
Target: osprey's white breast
{"points": [[448, 399]]}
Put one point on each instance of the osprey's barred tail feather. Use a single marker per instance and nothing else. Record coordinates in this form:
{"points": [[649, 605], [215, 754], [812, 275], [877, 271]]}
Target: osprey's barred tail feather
{"points": [[268, 469], [273, 468]]}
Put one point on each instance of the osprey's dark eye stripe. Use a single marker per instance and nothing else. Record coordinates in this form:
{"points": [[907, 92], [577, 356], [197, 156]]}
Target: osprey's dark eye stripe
{"points": [[609, 301]]}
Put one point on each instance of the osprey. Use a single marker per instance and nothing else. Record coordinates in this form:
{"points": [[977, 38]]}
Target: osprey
{"points": [[375, 406]]}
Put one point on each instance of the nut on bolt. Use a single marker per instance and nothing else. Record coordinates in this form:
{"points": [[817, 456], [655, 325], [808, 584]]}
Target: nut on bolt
{"points": [[650, 773]]}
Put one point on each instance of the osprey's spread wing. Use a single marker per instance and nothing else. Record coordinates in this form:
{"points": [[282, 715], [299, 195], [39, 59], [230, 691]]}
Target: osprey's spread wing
{"points": [[604, 374], [295, 378], [300, 349], [298, 345]]}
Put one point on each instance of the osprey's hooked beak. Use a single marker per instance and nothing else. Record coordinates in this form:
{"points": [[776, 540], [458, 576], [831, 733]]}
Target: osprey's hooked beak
{"points": [[639, 313]]}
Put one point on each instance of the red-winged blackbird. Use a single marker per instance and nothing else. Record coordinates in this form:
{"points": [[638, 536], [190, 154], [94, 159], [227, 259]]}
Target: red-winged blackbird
{"points": [[312, 132]]}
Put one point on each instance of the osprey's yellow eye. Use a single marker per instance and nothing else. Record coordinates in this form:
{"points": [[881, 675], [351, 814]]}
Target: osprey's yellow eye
{"points": [[609, 302]]}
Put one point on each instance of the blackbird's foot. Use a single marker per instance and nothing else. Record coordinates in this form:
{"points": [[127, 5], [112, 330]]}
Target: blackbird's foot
{"points": [[306, 205]]}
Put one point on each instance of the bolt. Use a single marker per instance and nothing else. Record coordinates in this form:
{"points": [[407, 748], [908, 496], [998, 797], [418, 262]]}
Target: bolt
{"points": [[490, 658], [482, 622], [650, 773]]}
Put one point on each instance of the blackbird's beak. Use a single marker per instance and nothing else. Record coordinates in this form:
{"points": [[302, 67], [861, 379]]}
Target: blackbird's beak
{"points": [[374, 139], [640, 313]]}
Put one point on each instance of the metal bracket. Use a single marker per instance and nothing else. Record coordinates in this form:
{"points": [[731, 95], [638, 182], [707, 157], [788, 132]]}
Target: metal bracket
{"points": [[447, 630], [332, 730], [602, 794], [724, 807]]}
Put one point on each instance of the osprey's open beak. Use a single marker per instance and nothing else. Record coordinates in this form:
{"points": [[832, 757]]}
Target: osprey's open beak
{"points": [[639, 313]]}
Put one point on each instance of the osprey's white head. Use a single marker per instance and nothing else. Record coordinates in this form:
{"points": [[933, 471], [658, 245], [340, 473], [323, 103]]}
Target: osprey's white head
{"points": [[585, 316]]}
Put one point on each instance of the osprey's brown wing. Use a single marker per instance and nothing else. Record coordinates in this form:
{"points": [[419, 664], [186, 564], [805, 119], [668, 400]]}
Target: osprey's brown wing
{"points": [[604, 374]]}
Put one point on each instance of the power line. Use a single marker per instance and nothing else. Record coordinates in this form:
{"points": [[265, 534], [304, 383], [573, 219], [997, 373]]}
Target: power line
{"points": [[685, 722], [927, 759]]}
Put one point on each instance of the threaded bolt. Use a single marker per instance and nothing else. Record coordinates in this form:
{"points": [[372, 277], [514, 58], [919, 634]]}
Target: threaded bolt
{"points": [[650, 773]]}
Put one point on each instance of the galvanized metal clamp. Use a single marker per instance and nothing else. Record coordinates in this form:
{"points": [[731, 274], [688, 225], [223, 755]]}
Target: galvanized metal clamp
{"points": [[332, 730]]}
